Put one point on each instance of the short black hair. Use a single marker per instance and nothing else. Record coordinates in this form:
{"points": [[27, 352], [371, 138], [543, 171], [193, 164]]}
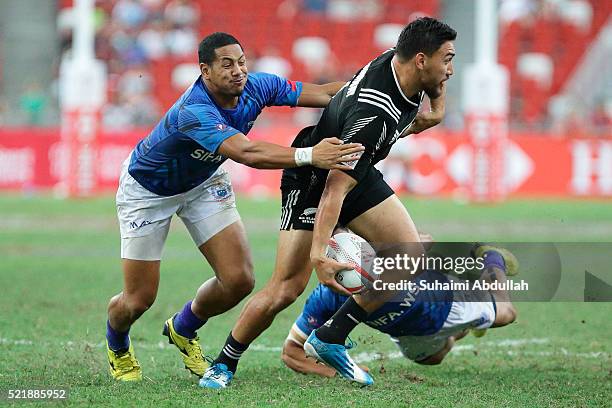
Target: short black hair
{"points": [[424, 35], [207, 47]]}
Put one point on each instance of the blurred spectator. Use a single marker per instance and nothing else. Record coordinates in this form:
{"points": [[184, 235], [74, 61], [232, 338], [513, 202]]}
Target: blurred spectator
{"points": [[314, 6], [154, 8], [152, 40], [33, 104], [182, 42], [135, 81], [129, 13], [127, 48], [124, 112], [181, 13], [115, 116], [144, 109]]}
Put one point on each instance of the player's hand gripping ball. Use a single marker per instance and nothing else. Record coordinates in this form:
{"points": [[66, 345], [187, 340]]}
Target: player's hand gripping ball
{"points": [[349, 248]]}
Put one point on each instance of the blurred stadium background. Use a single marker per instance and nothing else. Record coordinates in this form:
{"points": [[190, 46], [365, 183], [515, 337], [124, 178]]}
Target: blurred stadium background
{"points": [[549, 136]]}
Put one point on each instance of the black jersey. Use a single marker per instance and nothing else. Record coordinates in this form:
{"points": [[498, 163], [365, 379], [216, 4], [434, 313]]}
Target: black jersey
{"points": [[371, 109]]}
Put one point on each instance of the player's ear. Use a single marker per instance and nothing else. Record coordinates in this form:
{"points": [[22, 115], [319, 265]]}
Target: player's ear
{"points": [[205, 70], [419, 60]]}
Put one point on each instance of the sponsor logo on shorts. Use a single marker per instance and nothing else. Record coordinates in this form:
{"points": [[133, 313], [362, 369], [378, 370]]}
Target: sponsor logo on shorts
{"points": [[137, 225], [221, 192], [308, 216]]}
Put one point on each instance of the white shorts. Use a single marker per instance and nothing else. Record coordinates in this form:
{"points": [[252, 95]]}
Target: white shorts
{"points": [[144, 217], [463, 315]]}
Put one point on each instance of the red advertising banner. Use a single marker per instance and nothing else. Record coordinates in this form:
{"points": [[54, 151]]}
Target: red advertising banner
{"points": [[433, 163]]}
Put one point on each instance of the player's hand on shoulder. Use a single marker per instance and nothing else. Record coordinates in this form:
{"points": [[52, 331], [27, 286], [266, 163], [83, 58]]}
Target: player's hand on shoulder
{"points": [[331, 153], [326, 269]]}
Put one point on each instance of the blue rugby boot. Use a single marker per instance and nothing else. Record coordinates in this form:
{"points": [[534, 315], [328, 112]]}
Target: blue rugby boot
{"points": [[335, 356], [216, 377]]}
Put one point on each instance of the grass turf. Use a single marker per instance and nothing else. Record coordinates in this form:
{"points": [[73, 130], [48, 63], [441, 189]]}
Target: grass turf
{"points": [[59, 266]]}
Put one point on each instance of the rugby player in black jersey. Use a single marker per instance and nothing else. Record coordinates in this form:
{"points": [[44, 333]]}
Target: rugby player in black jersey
{"points": [[376, 108]]}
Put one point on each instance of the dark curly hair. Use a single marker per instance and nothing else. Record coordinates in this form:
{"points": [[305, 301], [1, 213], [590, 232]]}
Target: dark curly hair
{"points": [[424, 35]]}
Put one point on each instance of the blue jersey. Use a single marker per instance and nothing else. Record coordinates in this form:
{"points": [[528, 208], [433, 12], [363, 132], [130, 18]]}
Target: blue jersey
{"points": [[181, 151], [417, 313]]}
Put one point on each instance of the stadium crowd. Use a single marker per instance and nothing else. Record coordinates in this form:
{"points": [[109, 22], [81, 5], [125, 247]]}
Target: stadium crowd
{"points": [[149, 48]]}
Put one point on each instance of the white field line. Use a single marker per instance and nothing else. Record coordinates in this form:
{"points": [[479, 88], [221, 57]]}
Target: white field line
{"points": [[501, 347], [144, 345], [530, 228], [508, 347]]}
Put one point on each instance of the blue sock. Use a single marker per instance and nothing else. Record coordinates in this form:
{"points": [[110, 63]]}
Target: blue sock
{"points": [[117, 341], [494, 259], [186, 323]]}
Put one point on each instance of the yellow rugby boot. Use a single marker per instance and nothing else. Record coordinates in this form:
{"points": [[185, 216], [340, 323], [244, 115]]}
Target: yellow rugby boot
{"points": [[124, 366], [512, 264], [190, 349]]}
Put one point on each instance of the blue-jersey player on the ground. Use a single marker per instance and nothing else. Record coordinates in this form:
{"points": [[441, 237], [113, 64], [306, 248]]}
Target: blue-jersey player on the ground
{"points": [[175, 170], [425, 324]]}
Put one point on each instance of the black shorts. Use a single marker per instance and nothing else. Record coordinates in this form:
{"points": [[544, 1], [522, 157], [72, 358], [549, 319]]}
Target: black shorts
{"points": [[301, 190]]}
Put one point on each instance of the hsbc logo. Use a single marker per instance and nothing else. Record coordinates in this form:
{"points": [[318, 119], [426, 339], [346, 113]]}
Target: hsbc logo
{"points": [[591, 167]]}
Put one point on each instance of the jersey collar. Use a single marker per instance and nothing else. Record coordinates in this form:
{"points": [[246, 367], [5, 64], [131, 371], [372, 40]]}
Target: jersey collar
{"points": [[399, 88]]}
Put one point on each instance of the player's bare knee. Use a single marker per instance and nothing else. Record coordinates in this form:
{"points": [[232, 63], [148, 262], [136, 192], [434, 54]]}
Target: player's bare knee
{"points": [[243, 287], [241, 283], [138, 304]]}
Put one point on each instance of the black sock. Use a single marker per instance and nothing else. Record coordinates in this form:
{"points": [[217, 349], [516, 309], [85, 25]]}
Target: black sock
{"points": [[231, 353], [337, 329]]}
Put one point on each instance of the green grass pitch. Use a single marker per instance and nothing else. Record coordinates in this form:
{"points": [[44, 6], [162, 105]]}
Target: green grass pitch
{"points": [[59, 266]]}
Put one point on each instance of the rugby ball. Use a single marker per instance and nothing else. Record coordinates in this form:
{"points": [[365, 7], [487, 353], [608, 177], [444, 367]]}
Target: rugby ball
{"points": [[349, 248]]}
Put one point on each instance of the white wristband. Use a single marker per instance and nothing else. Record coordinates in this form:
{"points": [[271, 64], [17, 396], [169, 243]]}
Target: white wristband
{"points": [[303, 156]]}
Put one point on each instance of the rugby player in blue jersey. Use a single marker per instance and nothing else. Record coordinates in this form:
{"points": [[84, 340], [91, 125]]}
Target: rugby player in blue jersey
{"points": [[425, 324], [175, 170]]}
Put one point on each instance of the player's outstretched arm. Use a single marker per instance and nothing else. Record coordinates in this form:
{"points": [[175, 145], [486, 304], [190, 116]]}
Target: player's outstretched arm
{"points": [[327, 154], [426, 120], [294, 357], [318, 96], [337, 186]]}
